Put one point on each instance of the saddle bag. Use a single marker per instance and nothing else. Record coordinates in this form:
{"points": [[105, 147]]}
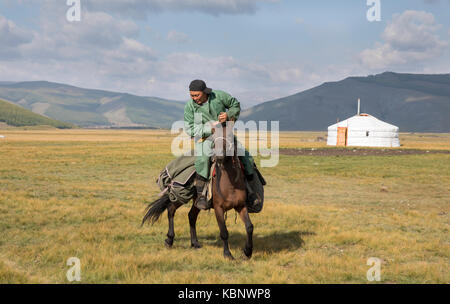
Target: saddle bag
{"points": [[257, 185], [177, 179]]}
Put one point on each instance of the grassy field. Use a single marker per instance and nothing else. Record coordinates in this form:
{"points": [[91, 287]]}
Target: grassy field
{"points": [[82, 193]]}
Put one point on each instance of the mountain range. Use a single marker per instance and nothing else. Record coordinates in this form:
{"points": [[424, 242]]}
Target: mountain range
{"points": [[92, 108], [413, 102]]}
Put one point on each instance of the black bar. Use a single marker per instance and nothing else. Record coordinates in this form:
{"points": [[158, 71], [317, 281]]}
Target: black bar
{"points": [[235, 293]]}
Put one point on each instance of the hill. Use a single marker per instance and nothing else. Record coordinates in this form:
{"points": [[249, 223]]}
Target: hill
{"points": [[413, 102], [92, 108], [14, 115]]}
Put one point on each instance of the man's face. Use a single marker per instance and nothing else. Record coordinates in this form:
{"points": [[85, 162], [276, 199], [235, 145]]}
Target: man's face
{"points": [[198, 97]]}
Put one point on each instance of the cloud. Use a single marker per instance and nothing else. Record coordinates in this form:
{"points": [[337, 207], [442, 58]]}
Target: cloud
{"points": [[177, 37], [12, 36], [131, 68], [435, 1], [99, 52], [299, 20], [99, 37], [141, 8], [411, 37], [249, 81], [103, 51]]}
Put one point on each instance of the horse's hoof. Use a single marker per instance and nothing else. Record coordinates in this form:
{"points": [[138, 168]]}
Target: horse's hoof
{"points": [[196, 245], [248, 253], [228, 256], [168, 243]]}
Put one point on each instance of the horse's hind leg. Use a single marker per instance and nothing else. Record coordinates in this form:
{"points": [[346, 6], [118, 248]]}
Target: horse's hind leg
{"points": [[243, 213], [171, 213], [193, 214], [223, 232]]}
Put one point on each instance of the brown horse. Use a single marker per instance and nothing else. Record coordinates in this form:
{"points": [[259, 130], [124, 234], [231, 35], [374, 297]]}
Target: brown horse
{"points": [[228, 192]]}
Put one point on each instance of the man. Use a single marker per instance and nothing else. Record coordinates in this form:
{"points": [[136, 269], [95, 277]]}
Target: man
{"points": [[212, 105]]}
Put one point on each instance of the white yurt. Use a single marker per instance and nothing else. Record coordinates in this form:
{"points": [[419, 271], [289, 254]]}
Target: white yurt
{"points": [[363, 130]]}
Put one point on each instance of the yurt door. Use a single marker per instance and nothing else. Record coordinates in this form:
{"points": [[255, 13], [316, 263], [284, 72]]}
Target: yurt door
{"points": [[342, 136]]}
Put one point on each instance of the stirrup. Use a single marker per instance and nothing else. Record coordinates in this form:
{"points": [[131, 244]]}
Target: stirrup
{"points": [[201, 185], [201, 203]]}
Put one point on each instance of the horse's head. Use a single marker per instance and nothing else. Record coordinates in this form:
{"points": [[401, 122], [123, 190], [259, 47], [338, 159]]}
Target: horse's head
{"points": [[223, 138]]}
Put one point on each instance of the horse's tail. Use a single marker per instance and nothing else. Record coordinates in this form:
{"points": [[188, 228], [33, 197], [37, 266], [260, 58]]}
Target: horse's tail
{"points": [[155, 209]]}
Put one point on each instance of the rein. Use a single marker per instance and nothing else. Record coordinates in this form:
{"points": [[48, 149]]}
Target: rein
{"points": [[227, 142]]}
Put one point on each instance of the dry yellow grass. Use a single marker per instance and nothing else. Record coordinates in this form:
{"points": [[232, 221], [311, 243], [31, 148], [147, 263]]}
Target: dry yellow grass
{"points": [[82, 193]]}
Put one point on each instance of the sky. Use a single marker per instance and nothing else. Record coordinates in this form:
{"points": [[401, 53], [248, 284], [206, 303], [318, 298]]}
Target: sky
{"points": [[256, 50]]}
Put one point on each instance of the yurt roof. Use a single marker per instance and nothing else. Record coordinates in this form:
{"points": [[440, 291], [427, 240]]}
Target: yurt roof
{"points": [[364, 122]]}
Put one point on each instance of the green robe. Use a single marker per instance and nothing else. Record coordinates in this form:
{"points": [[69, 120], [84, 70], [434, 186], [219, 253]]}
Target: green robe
{"points": [[218, 102]]}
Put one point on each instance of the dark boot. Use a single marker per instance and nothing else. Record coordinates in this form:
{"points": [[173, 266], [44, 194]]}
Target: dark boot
{"points": [[200, 185], [252, 198]]}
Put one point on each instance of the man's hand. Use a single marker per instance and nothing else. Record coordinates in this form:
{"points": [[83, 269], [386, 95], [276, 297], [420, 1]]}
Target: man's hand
{"points": [[223, 117], [214, 125]]}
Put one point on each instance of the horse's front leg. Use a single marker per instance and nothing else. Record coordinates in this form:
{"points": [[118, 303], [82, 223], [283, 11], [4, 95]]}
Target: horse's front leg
{"points": [[223, 232], [248, 250], [193, 214], [171, 214]]}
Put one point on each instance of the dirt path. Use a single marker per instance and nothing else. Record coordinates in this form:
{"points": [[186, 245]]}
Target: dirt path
{"points": [[356, 151]]}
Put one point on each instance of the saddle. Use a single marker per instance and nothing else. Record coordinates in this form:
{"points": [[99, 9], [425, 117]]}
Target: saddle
{"points": [[177, 181]]}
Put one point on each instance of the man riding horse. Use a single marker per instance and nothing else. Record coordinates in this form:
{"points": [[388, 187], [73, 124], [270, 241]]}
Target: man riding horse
{"points": [[211, 106]]}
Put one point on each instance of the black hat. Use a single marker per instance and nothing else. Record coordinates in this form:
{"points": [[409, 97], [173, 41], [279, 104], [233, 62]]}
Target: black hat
{"points": [[199, 85]]}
